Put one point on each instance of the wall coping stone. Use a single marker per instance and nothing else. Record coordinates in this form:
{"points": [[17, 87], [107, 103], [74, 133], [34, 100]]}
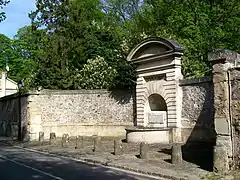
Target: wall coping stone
{"points": [[185, 82], [66, 92], [12, 96], [145, 129], [54, 92], [224, 55], [86, 125]]}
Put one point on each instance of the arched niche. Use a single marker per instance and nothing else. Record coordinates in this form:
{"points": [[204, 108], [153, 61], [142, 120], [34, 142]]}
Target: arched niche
{"points": [[157, 103], [155, 111]]}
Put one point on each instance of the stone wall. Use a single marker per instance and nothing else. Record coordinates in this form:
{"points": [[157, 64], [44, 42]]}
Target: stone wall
{"points": [[74, 112], [235, 113], [197, 109]]}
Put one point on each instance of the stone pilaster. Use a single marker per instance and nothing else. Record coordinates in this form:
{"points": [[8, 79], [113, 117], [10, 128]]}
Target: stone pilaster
{"points": [[223, 151], [35, 120], [221, 117], [140, 89]]}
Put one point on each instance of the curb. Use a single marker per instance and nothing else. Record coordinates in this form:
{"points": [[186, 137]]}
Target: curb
{"points": [[107, 164]]}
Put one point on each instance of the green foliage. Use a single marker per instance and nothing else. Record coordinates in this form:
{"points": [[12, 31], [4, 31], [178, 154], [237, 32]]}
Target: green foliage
{"points": [[6, 50], [13, 57], [84, 44], [2, 13], [29, 46], [200, 26], [78, 31], [96, 74], [21, 54]]}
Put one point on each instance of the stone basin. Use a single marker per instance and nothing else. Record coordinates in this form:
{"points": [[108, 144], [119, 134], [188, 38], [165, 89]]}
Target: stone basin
{"points": [[148, 135]]}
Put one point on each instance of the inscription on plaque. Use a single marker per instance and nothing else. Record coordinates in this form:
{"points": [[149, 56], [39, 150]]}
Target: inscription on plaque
{"points": [[156, 118]]}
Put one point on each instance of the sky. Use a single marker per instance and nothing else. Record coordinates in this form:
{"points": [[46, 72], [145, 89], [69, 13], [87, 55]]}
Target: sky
{"points": [[17, 16]]}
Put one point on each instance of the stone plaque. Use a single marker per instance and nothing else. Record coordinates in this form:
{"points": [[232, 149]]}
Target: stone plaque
{"points": [[156, 118]]}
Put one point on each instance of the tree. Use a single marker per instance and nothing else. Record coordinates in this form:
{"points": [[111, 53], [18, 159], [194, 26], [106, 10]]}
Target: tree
{"points": [[201, 26], [2, 4], [29, 46], [6, 51], [123, 16], [96, 74], [21, 54], [14, 57], [78, 32]]}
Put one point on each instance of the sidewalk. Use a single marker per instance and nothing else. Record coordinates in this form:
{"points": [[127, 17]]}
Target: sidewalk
{"points": [[156, 165]]}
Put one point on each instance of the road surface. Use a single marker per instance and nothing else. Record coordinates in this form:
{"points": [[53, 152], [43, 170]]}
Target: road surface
{"points": [[19, 164]]}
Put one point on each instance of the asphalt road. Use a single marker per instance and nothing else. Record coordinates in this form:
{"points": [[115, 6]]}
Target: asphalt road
{"points": [[19, 164]]}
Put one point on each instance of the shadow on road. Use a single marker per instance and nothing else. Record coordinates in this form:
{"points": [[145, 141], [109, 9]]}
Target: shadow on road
{"points": [[24, 165]]}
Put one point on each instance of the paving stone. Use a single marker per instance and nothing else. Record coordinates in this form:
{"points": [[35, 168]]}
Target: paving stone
{"points": [[157, 164]]}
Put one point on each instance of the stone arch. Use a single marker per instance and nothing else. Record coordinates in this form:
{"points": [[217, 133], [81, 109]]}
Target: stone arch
{"points": [[154, 88]]}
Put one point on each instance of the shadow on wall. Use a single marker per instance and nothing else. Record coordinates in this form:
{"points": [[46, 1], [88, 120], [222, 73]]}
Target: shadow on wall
{"points": [[124, 97], [10, 108], [24, 119], [199, 146], [9, 117]]}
